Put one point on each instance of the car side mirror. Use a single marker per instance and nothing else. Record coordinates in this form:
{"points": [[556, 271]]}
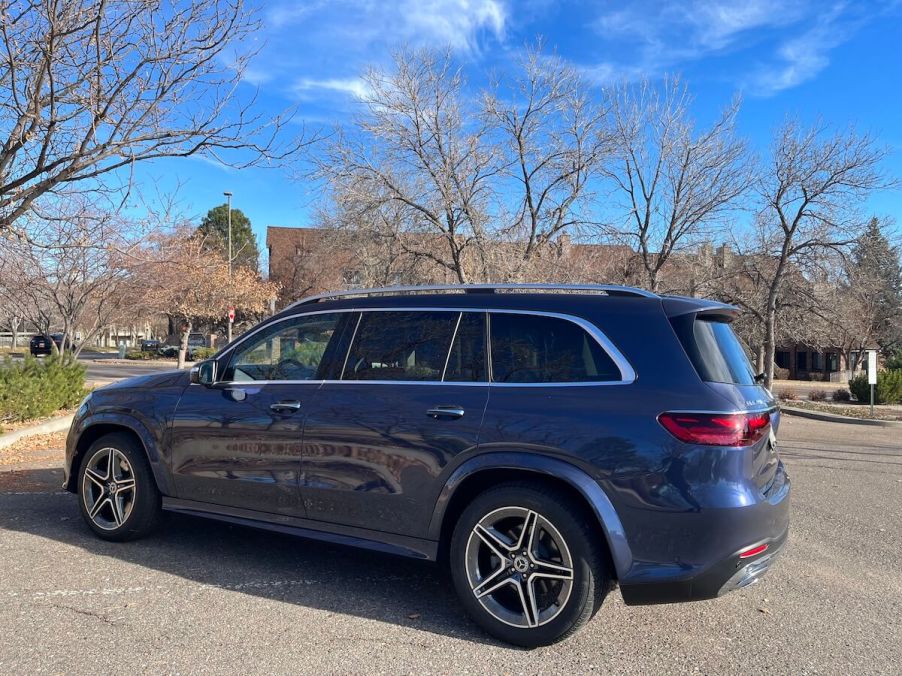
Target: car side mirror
{"points": [[204, 373]]}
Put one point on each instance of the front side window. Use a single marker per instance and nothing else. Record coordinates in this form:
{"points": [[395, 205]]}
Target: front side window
{"points": [[401, 346], [541, 349], [289, 350]]}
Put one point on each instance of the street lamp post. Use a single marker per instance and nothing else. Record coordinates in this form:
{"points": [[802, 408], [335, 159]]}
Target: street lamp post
{"points": [[228, 196]]}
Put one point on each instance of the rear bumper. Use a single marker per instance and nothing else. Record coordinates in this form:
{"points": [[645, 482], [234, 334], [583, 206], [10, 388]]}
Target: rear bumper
{"points": [[704, 548], [725, 576]]}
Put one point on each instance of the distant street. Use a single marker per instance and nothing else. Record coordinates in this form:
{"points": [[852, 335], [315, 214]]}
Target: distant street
{"points": [[103, 367]]}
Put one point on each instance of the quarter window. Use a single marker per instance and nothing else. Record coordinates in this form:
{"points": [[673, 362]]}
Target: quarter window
{"points": [[400, 346], [541, 349], [290, 350]]}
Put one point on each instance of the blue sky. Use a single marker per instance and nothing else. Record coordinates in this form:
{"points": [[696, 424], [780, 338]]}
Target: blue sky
{"points": [[838, 61]]}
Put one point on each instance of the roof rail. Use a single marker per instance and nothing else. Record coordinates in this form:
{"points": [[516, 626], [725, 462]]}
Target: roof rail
{"points": [[607, 289]]}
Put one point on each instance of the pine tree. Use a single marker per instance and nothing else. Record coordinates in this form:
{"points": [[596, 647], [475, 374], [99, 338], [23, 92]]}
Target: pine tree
{"points": [[215, 227], [874, 266]]}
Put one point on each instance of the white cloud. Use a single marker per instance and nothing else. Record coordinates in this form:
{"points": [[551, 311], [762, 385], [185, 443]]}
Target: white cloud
{"points": [[669, 34], [802, 58], [796, 36], [256, 76], [353, 86], [717, 24], [456, 23]]}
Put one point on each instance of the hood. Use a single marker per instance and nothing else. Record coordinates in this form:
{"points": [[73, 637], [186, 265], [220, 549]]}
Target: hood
{"points": [[151, 380]]}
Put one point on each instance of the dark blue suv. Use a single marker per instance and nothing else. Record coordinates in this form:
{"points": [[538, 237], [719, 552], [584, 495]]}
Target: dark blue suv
{"points": [[547, 443]]}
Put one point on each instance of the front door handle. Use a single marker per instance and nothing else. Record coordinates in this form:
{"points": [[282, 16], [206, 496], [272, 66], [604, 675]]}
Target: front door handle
{"points": [[285, 406], [437, 412]]}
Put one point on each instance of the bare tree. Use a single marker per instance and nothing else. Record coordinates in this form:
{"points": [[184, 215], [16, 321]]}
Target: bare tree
{"points": [[417, 149], [809, 189], [803, 306], [95, 86], [552, 137], [77, 275], [673, 183], [188, 281]]}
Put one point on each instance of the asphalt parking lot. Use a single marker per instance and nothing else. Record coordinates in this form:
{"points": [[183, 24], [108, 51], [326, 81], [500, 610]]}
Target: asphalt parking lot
{"points": [[203, 597]]}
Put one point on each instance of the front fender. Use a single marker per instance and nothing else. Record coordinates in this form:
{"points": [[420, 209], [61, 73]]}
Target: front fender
{"points": [[148, 440], [540, 464]]}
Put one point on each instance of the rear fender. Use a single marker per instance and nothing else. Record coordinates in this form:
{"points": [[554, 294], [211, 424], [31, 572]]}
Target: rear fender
{"points": [[543, 465]]}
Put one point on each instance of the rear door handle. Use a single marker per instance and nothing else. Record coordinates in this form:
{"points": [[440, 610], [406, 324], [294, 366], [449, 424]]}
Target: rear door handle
{"points": [[437, 412], [285, 406]]}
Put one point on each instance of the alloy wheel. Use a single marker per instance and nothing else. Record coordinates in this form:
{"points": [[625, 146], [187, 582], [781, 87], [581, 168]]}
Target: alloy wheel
{"points": [[519, 567], [108, 488]]}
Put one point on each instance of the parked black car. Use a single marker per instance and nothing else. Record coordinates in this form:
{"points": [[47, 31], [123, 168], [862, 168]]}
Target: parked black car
{"points": [[150, 345], [41, 345], [171, 347], [57, 338], [546, 442]]}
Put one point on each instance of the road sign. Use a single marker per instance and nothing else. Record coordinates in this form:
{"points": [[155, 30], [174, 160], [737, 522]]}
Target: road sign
{"points": [[231, 314], [872, 375]]}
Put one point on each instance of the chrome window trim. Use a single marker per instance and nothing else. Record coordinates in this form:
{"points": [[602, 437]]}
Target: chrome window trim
{"points": [[344, 364], [627, 373], [450, 346]]}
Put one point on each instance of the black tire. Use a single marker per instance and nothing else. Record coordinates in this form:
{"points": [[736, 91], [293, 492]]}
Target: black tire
{"points": [[139, 511], [568, 520]]}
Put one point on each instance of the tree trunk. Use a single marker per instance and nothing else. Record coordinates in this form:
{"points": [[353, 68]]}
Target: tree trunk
{"points": [[652, 275], [770, 319], [769, 346], [183, 344]]}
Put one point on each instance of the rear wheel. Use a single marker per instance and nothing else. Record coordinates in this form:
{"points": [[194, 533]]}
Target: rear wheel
{"points": [[526, 565], [117, 492]]}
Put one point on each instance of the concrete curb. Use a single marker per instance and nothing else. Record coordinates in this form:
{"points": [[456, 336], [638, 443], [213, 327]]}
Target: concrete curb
{"points": [[47, 427], [829, 417]]}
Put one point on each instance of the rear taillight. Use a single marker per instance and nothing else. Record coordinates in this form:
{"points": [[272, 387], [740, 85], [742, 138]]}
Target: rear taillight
{"points": [[716, 429]]}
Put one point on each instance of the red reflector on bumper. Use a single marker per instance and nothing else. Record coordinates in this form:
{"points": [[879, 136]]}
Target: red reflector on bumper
{"points": [[753, 551]]}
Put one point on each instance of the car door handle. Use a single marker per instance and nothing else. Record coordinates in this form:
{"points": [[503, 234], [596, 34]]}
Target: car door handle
{"points": [[283, 406], [445, 412]]}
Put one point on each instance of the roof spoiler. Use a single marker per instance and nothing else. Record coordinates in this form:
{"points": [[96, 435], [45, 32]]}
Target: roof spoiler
{"points": [[676, 306]]}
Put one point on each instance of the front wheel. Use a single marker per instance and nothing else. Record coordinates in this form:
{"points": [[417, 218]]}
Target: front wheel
{"points": [[117, 492], [526, 564]]}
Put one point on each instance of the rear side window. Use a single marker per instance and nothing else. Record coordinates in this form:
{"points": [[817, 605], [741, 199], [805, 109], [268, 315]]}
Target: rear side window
{"points": [[400, 346], [466, 362], [541, 349], [716, 352]]}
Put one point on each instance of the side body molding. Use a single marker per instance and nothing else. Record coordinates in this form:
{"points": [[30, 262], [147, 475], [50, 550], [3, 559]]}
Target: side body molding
{"points": [[541, 464], [148, 440]]}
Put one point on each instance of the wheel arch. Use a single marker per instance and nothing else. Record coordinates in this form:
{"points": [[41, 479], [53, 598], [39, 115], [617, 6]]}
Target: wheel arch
{"points": [[100, 426], [489, 469]]}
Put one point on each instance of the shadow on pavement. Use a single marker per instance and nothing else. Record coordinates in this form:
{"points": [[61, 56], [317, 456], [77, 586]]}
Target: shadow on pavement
{"points": [[273, 566]]}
